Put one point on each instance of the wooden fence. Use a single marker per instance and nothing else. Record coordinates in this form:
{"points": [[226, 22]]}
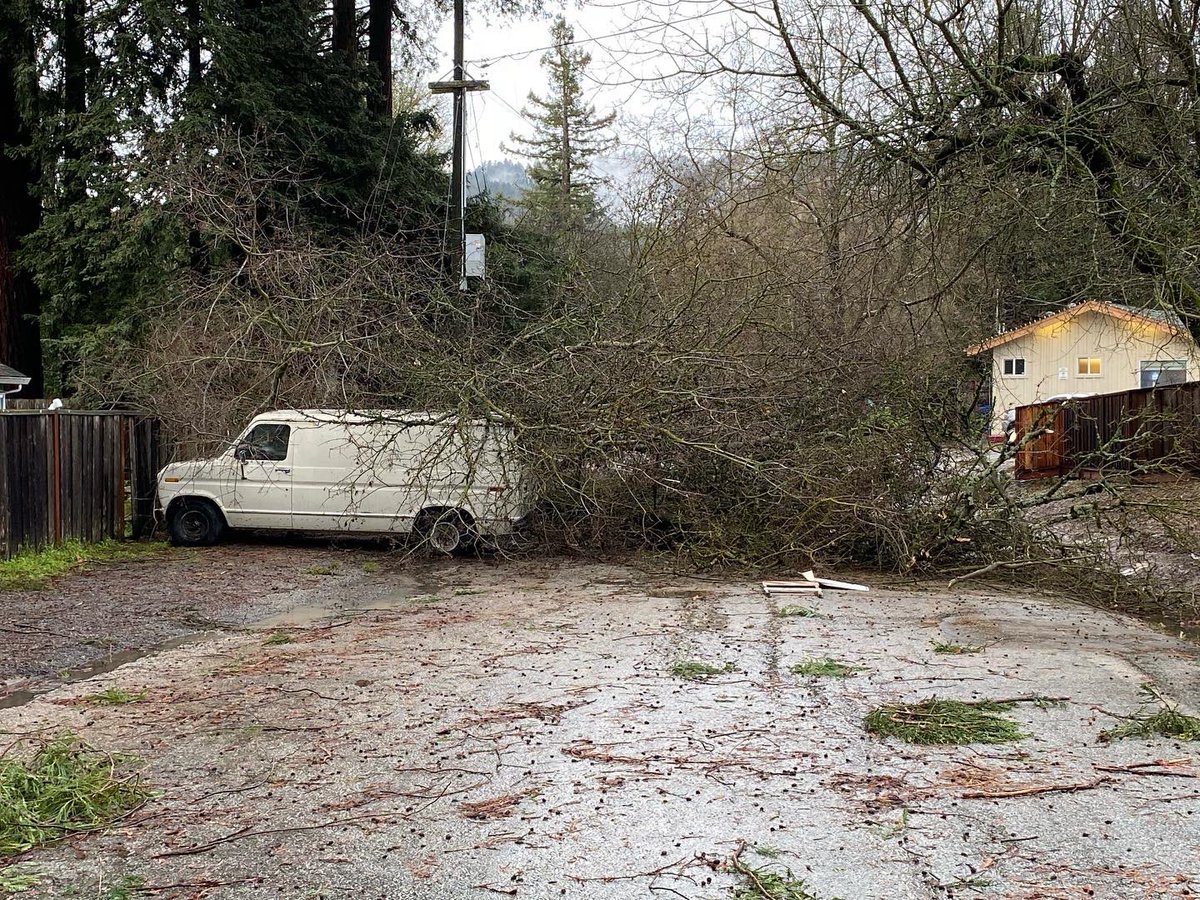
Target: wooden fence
{"points": [[1150, 431], [74, 474]]}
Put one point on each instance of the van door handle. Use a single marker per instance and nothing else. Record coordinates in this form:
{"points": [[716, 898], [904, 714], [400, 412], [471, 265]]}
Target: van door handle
{"points": [[284, 470]]}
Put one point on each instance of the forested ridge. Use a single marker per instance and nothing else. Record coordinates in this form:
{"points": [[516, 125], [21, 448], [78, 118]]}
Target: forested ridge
{"points": [[753, 348]]}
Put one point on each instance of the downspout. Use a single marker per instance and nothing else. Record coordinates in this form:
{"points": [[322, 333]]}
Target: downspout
{"points": [[4, 395]]}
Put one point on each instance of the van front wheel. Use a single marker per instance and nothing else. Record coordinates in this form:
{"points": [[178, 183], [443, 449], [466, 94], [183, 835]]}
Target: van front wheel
{"points": [[195, 523], [446, 531]]}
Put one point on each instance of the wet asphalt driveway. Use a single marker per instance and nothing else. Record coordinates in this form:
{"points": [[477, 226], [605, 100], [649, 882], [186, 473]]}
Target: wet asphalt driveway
{"points": [[486, 729]]}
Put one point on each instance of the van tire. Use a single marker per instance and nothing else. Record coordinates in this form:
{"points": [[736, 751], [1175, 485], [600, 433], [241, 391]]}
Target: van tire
{"points": [[195, 523], [446, 531]]}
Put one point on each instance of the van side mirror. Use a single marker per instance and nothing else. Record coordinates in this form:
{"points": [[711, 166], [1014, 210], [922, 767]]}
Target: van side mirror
{"points": [[242, 452]]}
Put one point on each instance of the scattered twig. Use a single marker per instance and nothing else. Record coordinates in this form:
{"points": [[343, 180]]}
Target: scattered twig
{"points": [[1162, 767], [1031, 789], [244, 833]]}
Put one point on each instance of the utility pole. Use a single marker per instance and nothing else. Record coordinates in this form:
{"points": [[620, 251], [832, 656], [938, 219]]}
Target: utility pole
{"points": [[458, 177]]}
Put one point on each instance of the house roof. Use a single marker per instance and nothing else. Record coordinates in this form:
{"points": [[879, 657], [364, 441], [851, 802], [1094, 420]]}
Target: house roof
{"points": [[1158, 317], [9, 375]]}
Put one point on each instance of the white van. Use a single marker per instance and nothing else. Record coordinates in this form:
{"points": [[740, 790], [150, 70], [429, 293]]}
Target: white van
{"points": [[377, 472]]}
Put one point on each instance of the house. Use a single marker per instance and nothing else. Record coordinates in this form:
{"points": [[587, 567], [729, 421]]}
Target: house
{"points": [[1092, 347], [11, 381]]}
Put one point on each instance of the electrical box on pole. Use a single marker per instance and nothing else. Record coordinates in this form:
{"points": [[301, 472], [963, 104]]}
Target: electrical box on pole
{"points": [[473, 267]]}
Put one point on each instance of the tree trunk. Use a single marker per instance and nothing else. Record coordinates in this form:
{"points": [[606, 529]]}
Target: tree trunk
{"points": [[191, 11], [74, 58], [20, 212], [379, 55], [345, 29], [564, 181]]}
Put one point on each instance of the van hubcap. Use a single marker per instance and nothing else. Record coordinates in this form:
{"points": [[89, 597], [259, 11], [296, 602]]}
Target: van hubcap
{"points": [[445, 536], [193, 524]]}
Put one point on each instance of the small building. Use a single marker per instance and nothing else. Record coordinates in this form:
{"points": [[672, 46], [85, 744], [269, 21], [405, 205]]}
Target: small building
{"points": [[11, 381], [1087, 348]]}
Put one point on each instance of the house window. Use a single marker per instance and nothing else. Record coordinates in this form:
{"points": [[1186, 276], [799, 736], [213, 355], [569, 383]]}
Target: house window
{"points": [[1089, 366], [1163, 371], [1014, 365]]}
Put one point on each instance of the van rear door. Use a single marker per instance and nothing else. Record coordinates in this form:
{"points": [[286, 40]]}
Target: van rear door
{"points": [[263, 487]]}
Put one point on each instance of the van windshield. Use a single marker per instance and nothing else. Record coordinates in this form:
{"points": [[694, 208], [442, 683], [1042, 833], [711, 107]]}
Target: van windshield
{"points": [[267, 441]]}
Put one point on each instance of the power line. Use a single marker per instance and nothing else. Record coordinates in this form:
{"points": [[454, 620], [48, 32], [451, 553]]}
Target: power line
{"points": [[521, 54]]}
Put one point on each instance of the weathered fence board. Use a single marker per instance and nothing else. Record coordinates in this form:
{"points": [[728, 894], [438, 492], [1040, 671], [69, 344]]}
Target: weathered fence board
{"points": [[68, 474], [1145, 431]]}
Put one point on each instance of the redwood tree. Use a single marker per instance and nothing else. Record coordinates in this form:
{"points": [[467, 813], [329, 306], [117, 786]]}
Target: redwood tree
{"points": [[20, 212]]}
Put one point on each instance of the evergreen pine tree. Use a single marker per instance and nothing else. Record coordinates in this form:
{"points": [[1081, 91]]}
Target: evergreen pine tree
{"points": [[567, 135]]}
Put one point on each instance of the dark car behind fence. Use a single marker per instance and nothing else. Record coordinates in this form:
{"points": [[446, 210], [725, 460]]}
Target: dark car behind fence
{"points": [[1144, 432], [75, 474]]}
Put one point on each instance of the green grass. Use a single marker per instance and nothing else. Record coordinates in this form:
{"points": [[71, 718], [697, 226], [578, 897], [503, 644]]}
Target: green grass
{"points": [[64, 786], [322, 570], [124, 888], [1168, 722], [804, 612], [33, 569], [18, 880], [824, 667], [370, 567], [955, 649], [693, 670], [115, 696], [279, 637], [944, 722]]}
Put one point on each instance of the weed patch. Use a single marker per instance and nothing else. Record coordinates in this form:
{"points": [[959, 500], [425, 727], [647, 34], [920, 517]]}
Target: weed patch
{"points": [[18, 880], [370, 567], [279, 637], [115, 696], [802, 612], [825, 667], [125, 888], [955, 649], [692, 670], [322, 570], [65, 787], [32, 570], [1168, 722], [945, 722]]}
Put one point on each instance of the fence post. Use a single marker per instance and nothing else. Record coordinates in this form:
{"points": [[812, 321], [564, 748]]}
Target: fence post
{"points": [[5, 507], [56, 476]]}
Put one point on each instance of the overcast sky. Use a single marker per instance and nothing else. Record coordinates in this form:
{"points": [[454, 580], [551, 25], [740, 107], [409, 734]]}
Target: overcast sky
{"points": [[625, 40], [508, 54]]}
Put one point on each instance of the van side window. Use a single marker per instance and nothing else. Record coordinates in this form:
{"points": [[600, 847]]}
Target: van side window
{"points": [[268, 442]]}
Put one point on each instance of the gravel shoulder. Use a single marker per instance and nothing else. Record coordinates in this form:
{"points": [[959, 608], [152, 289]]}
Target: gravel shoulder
{"points": [[475, 729]]}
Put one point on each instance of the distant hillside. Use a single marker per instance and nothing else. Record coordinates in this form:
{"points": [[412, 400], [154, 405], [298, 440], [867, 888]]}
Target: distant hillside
{"points": [[504, 179]]}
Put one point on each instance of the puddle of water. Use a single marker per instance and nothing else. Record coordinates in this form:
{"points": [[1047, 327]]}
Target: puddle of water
{"points": [[314, 613], [302, 616], [99, 667]]}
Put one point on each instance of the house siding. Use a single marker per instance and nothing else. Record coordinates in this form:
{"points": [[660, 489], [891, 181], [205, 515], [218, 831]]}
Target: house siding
{"points": [[1122, 346]]}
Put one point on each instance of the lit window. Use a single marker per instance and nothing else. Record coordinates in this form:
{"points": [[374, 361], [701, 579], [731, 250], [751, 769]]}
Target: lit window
{"points": [[1014, 365], [1089, 365]]}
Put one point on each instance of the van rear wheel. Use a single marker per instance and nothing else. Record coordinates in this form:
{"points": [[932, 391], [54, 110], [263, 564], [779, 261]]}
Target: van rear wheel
{"points": [[447, 531], [195, 523]]}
